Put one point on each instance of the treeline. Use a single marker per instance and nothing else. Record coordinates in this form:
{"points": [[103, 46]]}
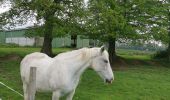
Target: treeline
{"points": [[104, 20]]}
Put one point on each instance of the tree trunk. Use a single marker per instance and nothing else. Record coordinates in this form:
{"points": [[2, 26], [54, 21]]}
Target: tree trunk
{"points": [[111, 50], [74, 41], [47, 44]]}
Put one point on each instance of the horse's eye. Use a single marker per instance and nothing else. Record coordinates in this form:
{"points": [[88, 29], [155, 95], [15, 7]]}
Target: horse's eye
{"points": [[105, 61]]}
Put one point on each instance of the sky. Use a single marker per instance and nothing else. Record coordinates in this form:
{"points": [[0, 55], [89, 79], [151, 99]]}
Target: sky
{"points": [[5, 6]]}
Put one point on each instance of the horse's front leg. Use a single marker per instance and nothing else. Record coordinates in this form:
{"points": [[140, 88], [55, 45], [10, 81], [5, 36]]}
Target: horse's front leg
{"points": [[70, 95], [56, 95]]}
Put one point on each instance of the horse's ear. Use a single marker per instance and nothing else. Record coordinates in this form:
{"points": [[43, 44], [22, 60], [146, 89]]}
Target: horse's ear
{"points": [[102, 49]]}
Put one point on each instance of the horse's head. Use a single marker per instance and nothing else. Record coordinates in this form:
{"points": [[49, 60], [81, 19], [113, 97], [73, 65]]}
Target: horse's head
{"points": [[101, 65]]}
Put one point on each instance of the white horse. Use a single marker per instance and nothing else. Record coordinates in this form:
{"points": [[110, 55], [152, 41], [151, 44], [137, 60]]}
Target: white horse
{"points": [[61, 74]]}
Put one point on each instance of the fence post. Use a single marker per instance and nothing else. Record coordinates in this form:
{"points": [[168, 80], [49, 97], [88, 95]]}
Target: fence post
{"points": [[32, 84]]}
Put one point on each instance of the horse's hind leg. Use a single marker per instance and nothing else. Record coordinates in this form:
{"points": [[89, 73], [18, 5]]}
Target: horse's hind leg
{"points": [[25, 89], [56, 95]]}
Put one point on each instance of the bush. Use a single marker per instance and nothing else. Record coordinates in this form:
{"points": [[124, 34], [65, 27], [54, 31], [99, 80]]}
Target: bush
{"points": [[161, 54]]}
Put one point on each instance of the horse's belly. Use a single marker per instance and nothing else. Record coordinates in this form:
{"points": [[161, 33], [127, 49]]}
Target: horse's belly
{"points": [[69, 87], [66, 90], [43, 88], [42, 81]]}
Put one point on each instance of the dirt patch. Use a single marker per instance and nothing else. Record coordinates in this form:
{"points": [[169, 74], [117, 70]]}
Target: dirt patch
{"points": [[119, 64], [13, 57]]}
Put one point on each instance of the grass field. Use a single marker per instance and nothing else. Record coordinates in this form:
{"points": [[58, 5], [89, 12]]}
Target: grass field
{"points": [[140, 81]]}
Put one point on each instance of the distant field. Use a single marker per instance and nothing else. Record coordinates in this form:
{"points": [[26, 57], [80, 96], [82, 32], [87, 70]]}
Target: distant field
{"points": [[137, 82], [22, 51], [135, 54]]}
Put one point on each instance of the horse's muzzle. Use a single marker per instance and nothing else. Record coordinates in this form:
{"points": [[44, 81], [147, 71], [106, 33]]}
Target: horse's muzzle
{"points": [[109, 81]]}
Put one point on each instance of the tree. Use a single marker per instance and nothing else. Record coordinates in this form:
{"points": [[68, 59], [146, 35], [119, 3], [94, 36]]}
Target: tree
{"points": [[57, 15], [107, 23], [150, 18], [134, 19], [164, 16], [157, 21]]}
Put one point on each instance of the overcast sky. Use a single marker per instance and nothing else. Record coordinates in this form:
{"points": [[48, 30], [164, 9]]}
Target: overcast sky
{"points": [[5, 6]]}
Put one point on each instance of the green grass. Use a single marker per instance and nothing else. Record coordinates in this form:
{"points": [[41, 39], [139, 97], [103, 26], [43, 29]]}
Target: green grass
{"points": [[135, 54], [138, 82]]}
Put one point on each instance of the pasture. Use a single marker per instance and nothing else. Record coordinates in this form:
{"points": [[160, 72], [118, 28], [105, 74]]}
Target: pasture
{"points": [[142, 78]]}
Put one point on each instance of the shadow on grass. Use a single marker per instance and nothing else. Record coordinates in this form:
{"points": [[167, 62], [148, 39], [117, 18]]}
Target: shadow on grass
{"points": [[123, 63]]}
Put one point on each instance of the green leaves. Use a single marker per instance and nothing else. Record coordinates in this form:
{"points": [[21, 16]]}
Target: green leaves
{"points": [[107, 20]]}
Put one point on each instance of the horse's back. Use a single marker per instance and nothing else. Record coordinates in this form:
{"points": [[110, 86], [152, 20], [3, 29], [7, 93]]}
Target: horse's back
{"points": [[37, 59]]}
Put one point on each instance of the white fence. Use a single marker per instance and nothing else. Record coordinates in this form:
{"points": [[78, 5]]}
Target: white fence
{"points": [[22, 41]]}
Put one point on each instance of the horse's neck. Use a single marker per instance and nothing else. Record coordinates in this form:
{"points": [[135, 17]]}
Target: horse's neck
{"points": [[80, 63], [77, 61]]}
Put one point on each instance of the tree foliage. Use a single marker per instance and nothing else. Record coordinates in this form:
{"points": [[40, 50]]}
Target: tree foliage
{"points": [[134, 19], [67, 14], [106, 20]]}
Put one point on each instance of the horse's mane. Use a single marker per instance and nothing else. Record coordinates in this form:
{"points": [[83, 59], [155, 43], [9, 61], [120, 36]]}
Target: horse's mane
{"points": [[71, 54], [81, 53]]}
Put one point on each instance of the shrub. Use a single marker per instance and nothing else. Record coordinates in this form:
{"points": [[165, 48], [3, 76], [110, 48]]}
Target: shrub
{"points": [[161, 54]]}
